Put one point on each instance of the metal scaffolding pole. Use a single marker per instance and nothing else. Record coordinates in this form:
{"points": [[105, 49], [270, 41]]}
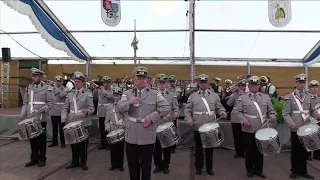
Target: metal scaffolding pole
{"points": [[5, 81], [192, 33]]}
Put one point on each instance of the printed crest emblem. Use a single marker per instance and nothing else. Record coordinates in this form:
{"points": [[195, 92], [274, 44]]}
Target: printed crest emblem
{"points": [[111, 12], [208, 141], [165, 140], [270, 149], [279, 12]]}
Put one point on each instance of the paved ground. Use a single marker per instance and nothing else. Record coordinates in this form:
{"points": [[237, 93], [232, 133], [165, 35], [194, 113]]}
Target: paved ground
{"points": [[13, 155]]}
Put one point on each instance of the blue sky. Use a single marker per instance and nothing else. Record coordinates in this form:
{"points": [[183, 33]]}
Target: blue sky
{"points": [[85, 15]]}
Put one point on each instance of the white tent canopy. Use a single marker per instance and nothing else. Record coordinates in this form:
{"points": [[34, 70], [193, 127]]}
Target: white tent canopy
{"points": [[253, 15]]}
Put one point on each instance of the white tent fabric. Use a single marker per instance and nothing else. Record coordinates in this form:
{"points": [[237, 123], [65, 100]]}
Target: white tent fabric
{"points": [[85, 15]]}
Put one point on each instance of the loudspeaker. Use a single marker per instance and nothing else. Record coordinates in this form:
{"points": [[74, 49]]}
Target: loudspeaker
{"points": [[6, 55]]}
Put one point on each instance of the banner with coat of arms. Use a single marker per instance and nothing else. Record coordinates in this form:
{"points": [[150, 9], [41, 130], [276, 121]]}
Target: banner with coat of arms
{"points": [[279, 12], [111, 12]]}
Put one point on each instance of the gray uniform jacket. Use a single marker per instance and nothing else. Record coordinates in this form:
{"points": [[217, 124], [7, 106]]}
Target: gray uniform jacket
{"points": [[60, 95], [233, 102], [291, 112], [152, 104], [83, 101], [247, 111], [176, 90], [42, 98], [105, 98], [114, 120], [173, 102], [197, 112]]}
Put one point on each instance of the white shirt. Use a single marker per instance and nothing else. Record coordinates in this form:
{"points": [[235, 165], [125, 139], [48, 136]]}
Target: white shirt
{"points": [[272, 88]]}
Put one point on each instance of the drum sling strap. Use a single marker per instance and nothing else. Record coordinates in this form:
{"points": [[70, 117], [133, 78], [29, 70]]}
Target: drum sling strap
{"points": [[75, 105], [31, 101], [304, 117], [259, 111], [207, 106]]}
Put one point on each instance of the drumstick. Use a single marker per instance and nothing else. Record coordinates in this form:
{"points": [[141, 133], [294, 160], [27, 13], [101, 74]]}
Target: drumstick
{"points": [[266, 123]]}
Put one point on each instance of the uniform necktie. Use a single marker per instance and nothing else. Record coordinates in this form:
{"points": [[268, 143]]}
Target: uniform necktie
{"points": [[162, 93], [255, 97], [77, 94], [139, 92], [204, 93], [301, 94]]}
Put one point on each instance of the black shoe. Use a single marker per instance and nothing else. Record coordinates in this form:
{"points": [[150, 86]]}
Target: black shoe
{"points": [[121, 168], [210, 172], [309, 158], [156, 170], [63, 146], [249, 175], [72, 166], [236, 155], [112, 168], [53, 145], [42, 163], [165, 170], [31, 163], [261, 175], [102, 147], [306, 175], [198, 172], [84, 167], [293, 175], [173, 150]]}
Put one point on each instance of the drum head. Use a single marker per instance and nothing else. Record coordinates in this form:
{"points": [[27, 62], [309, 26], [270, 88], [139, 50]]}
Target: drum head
{"points": [[26, 120], [308, 129], [208, 127], [164, 126], [266, 134], [73, 124], [115, 132]]}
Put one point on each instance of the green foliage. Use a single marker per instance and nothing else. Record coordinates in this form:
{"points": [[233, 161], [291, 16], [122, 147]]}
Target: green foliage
{"points": [[277, 105]]}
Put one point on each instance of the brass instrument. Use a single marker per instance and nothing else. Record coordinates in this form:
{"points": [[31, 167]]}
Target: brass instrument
{"points": [[92, 85], [231, 88]]}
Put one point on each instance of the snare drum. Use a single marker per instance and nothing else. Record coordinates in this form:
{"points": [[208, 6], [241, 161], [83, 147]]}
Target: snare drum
{"points": [[29, 129], [309, 137], [268, 142], [168, 134], [75, 132], [115, 136], [211, 135]]}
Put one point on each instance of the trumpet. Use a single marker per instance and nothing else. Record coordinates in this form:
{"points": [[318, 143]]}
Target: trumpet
{"points": [[92, 85], [231, 88]]}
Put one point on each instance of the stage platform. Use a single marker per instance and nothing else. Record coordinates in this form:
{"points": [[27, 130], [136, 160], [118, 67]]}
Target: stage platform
{"points": [[15, 153]]}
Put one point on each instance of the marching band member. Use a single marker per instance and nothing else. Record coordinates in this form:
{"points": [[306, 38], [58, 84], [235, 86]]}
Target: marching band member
{"points": [[252, 110], [37, 100], [297, 109], [172, 86], [163, 164], [145, 108], [70, 84], [215, 87], [78, 106], [196, 114], [115, 121], [60, 93], [105, 98], [235, 123], [313, 90]]}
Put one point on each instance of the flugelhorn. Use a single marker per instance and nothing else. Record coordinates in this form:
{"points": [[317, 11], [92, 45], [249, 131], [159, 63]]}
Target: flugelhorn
{"points": [[92, 85], [231, 88]]}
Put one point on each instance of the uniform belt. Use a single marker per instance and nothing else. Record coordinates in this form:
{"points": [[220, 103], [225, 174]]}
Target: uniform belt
{"points": [[72, 111], [37, 102], [137, 120], [60, 103], [104, 104], [203, 113], [298, 112], [253, 116]]}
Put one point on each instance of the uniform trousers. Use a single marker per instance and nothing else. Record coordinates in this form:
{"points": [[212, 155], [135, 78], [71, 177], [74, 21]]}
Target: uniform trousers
{"points": [[39, 146], [56, 124], [299, 155], [79, 152], [316, 154], [237, 138], [254, 159], [157, 155], [199, 162], [103, 132], [117, 153], [139, 156]]}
